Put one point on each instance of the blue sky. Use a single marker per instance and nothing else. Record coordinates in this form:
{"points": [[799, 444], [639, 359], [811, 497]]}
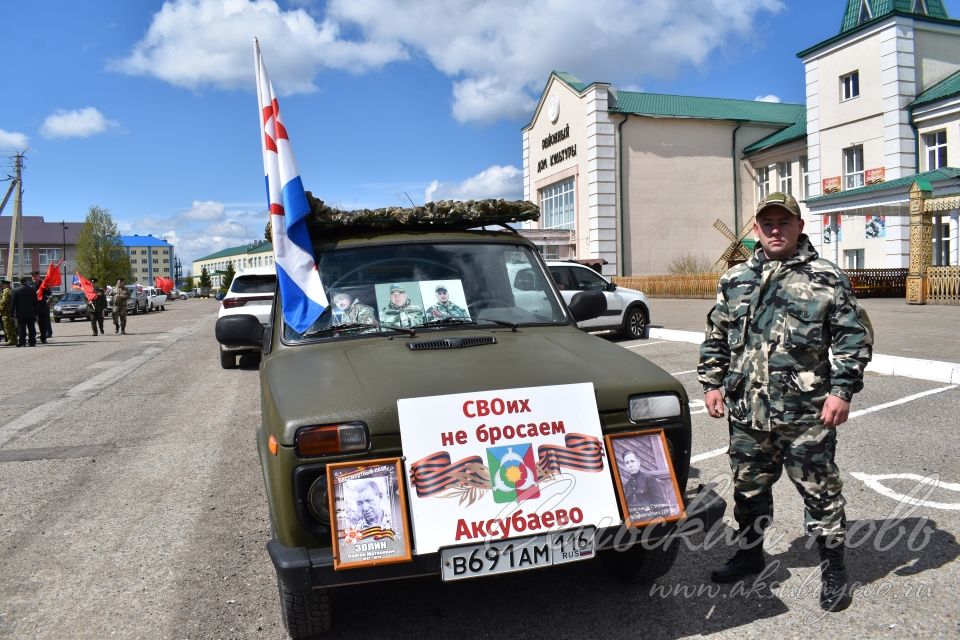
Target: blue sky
{"points": [[149, 109]]}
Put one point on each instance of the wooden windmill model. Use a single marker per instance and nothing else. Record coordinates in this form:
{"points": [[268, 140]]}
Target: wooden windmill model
{"points": [[736, 252]]}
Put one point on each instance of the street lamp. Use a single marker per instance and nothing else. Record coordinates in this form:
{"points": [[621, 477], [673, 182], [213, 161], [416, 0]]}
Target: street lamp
{"points": [[63, 278]]}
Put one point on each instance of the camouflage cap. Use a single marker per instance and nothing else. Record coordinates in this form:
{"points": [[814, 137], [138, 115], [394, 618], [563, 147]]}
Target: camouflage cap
{"points": [[397, 288], [440, 287], [782, 200]]}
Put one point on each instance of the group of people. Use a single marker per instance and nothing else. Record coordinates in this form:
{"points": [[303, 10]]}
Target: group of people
{"points": [[399, 312], [25, 312]]}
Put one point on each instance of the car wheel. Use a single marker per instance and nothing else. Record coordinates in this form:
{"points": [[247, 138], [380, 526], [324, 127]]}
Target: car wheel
{"points": [[57, 320], [635, 324], [228, 359], [183, 297], [305, 615], [72, 319], [638, 565]]}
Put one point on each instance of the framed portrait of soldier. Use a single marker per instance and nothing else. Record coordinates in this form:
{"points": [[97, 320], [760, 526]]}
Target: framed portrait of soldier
{"points": [[368, 513], [644, 476]]}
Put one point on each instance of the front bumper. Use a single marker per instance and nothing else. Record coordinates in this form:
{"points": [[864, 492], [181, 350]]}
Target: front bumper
{"points": [[70, 313], [301, 569]]}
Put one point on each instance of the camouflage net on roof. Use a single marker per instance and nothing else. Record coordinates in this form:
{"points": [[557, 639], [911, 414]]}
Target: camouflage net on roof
{"points": [[445, 214]]}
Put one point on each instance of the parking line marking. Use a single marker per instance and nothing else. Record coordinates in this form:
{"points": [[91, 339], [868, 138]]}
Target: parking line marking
{"points": [[874, 483], [644, 344], [680, 373], [855, 414]]}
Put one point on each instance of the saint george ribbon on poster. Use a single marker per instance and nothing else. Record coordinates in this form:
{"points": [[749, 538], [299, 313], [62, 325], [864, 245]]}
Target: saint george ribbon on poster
{"points": [[301, 292]]}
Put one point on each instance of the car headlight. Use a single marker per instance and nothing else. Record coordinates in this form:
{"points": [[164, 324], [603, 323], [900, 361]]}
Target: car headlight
{"points": [[654, 407], [318, 501]]}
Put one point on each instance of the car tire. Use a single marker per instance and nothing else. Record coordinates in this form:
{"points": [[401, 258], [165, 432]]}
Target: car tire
{"points": [[638, 565], [72, 319], [57, 320], [228, 359], [635, 323], [305, 615]]}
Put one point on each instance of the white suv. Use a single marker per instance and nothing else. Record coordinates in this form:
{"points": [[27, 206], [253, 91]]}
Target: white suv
{"points": [[627, 309], [251, 292]]}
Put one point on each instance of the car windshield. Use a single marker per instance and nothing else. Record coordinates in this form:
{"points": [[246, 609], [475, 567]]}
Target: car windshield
{"points": [[73, 296], [265, 283], [391, 288]]}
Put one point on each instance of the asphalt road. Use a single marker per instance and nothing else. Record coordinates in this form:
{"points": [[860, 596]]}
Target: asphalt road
{"points": [[131, 506]]}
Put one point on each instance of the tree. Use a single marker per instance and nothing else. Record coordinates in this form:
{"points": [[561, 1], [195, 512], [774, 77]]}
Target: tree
{"points": [[689, 263], [227, 277], [204, 283], [100, 253], [187, 283]]}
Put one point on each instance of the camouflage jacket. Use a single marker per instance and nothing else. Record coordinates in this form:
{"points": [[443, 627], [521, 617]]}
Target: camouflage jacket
{"points": [[120, 297], [770, 336], [359, 313], [448, 310], [409, 315], [6, 303]]}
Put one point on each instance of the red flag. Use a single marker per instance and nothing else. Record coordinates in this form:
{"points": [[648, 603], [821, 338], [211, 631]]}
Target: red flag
{"points": [[86, 286], [164, 284], [52, 279]]}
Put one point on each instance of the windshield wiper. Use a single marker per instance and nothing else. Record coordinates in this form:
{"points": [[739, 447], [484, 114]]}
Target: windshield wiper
{"points": [[351, 326], [503, 323], [447, 320]]}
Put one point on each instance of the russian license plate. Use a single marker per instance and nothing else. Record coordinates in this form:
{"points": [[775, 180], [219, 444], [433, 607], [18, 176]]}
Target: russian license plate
{"points": [[517, 554]]}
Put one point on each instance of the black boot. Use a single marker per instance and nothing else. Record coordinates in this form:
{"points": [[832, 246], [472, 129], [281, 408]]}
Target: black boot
{"points": [[835, 588], [747, 561]]}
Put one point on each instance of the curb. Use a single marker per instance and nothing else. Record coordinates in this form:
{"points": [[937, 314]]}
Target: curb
{"points": [[932, 370]]}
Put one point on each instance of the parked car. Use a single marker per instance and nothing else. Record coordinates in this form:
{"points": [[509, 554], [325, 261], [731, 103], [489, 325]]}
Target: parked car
{"points": [[183, 295], [72, 305], [251, 292], [445, 386], [138, 300], [156, 299], [628, 311]]}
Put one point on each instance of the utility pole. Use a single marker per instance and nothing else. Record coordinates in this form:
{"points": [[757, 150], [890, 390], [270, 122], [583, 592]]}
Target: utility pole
{"points": [[63, 278], [16, 230]]}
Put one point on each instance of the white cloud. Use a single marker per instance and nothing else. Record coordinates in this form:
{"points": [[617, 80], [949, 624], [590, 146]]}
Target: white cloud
{"points": [[493, 182], [78, 123], [497, 53], [767, 98], [204, 210], [13, 141]]}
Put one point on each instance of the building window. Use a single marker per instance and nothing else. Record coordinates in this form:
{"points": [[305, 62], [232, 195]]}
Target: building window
{"points": [[785, 174], [47, 257], [865, 12], [557, 205], [804, 179], [850, 85], [143, 261], [920, 6], [936, 144], [853, 167], [941, 249], [853, 258], [763, 183], [156, 261]]}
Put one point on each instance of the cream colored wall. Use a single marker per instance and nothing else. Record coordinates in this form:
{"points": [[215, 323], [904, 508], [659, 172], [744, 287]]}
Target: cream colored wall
{"points": [[863, 56], [868, 133], [937, 55], [678, 180], [950, 122]]}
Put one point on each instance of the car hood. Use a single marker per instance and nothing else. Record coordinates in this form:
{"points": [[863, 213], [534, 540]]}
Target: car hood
{"points": [[363, 379]]}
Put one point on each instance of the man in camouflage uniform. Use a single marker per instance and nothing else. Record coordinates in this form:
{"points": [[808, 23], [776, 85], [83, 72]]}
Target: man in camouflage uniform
{"points": [[349, 310], [6, 311], [444, 308], [120, 297], [766, 359], [401, 312]]}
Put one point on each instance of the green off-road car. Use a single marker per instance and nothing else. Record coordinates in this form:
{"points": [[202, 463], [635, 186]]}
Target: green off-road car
{"points": [[444, 415]]}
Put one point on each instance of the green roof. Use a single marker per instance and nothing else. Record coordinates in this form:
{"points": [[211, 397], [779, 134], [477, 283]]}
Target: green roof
{"points": [[949, 86], [670, 106], [937, 175], [572, 81], [236, 251], [881, 10], [796, 131]]}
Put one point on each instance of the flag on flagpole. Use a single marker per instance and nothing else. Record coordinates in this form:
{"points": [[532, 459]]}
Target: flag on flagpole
{"points": [[76, 282], [301, 292], [85, 285], [52, 279]]}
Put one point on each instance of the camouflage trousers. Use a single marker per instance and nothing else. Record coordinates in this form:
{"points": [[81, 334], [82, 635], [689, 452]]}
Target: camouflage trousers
{"points": [[120, 318], [9, 329], [757, 458]]}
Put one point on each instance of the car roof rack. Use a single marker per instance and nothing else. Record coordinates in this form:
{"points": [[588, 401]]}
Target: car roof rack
{"points": [[444, 215]]}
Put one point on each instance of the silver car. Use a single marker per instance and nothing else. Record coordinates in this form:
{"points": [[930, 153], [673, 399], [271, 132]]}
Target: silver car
{"points": [[628, 311]]}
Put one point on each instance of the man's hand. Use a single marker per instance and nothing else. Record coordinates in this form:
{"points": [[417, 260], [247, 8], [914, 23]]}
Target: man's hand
{"points": [[714, 401], [835, 411]]}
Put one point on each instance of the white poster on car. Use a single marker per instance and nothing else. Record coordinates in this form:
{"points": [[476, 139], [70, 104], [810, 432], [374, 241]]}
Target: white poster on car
{"points": [[503, 464]]}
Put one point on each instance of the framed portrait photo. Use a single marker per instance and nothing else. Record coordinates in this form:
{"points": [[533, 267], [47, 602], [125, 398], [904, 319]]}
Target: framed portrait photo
{"points": [[644, 477], [368, 513]]}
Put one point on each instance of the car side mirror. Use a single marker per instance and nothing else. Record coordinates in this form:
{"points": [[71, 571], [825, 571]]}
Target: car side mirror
{"points": [[240, 330], [611, 287], [587, 305]]}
